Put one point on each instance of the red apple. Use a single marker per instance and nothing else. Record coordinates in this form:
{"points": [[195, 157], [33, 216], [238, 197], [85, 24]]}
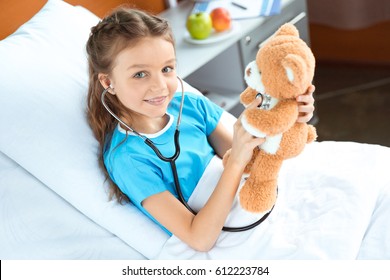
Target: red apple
{"points": [[221, 19]]}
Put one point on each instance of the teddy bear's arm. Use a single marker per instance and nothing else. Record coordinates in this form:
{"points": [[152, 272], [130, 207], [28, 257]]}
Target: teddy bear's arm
{"points": [[274, 121]]}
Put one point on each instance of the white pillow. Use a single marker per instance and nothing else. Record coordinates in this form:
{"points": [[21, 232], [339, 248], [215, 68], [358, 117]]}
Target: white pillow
{"points": [[43, 79]]}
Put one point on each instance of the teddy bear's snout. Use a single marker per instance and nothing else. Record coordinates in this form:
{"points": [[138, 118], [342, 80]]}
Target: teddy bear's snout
{"points": [[253, 77]]}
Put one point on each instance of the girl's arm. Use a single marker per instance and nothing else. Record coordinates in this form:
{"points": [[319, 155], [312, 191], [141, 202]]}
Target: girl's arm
{"points": [[200, 231], [221, 139]]}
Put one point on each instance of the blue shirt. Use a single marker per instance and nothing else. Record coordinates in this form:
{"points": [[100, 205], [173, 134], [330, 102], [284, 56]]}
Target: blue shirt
{"points": [[139, 173]]}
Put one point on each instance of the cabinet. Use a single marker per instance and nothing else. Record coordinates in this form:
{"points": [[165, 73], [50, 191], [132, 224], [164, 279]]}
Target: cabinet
{"points": [[218, 70]]}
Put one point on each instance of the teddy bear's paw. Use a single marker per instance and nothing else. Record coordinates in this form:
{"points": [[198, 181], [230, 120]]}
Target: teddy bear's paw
{"points": [[260, 199], [247, 169], [251, 129], [312, 134]]}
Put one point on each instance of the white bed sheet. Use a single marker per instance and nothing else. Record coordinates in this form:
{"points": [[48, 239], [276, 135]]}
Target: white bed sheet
{"points": [[333, 203]]}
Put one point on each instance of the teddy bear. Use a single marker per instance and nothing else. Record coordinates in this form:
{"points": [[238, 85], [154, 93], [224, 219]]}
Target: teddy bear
{"points": [[283, 69]]}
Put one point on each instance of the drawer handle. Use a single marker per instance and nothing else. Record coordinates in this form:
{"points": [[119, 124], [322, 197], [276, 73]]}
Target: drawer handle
{"points": [[248, 40], [294, 21]]}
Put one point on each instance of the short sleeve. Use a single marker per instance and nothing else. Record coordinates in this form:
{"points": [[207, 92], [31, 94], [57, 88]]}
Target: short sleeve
{"points": [[207, 112], [138, 179]]}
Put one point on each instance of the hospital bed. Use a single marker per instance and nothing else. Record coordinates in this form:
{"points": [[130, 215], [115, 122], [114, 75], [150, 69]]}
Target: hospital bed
{"points": [[333, 200]]}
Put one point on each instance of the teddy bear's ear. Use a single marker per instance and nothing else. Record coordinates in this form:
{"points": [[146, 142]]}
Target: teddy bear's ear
{"points": [[295, 68], [287, 29]]}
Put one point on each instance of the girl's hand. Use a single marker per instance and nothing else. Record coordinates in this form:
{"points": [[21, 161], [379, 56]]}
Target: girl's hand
{"points": [[244, 142], [306, 105]]}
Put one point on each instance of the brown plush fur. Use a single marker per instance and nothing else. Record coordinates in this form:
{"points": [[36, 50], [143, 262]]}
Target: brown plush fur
{"points": [[284, 50]]}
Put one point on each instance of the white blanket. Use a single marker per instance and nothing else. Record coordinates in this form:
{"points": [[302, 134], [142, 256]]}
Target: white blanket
{"points": [[333, 203]]}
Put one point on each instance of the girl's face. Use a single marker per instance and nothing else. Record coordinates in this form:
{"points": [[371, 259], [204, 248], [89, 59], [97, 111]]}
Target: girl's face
{"points": [[144, 80]]}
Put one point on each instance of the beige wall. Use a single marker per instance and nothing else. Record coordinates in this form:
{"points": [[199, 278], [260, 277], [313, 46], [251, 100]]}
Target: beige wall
{"points": [[350, 31], [349, 14], [14, 13]]}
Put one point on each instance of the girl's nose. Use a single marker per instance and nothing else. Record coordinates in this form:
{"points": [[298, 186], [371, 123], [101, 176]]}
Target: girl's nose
{"points": [[159, 82]]}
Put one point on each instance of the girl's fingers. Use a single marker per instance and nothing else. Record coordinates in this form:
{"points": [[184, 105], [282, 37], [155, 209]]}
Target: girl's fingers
{"points": [[311, 89], [307, 97], [306, 108], [304, 117], [255, 103], [306, 105]]}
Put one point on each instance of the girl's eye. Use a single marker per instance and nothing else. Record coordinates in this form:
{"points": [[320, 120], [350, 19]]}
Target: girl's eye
{"points": [[167, 69], [139, 75]]}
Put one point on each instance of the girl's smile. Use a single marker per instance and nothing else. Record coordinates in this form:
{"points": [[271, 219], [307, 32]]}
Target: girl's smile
{"points": [[156, 101]]}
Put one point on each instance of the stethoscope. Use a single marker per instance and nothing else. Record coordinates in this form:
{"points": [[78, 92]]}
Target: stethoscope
{"points": [[172, 159]]}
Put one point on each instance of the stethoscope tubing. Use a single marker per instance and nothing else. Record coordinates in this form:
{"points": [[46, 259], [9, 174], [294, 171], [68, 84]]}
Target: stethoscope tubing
{"points": [[172, 159]]}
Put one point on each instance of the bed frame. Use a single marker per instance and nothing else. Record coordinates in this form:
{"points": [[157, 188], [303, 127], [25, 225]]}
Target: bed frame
{"points": [[16, 12]]}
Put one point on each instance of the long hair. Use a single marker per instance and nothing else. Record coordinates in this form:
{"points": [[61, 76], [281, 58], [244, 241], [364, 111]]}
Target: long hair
{"points": [[123, 28]]}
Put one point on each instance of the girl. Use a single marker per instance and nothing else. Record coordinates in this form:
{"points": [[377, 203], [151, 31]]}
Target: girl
{"points": [[132, 58]]}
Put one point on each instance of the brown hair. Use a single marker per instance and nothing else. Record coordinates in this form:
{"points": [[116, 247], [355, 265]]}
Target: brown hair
{"points": [[123, 28]]}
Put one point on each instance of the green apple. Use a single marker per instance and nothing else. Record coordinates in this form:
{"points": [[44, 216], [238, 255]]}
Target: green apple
{"points": [[199, 25]]}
